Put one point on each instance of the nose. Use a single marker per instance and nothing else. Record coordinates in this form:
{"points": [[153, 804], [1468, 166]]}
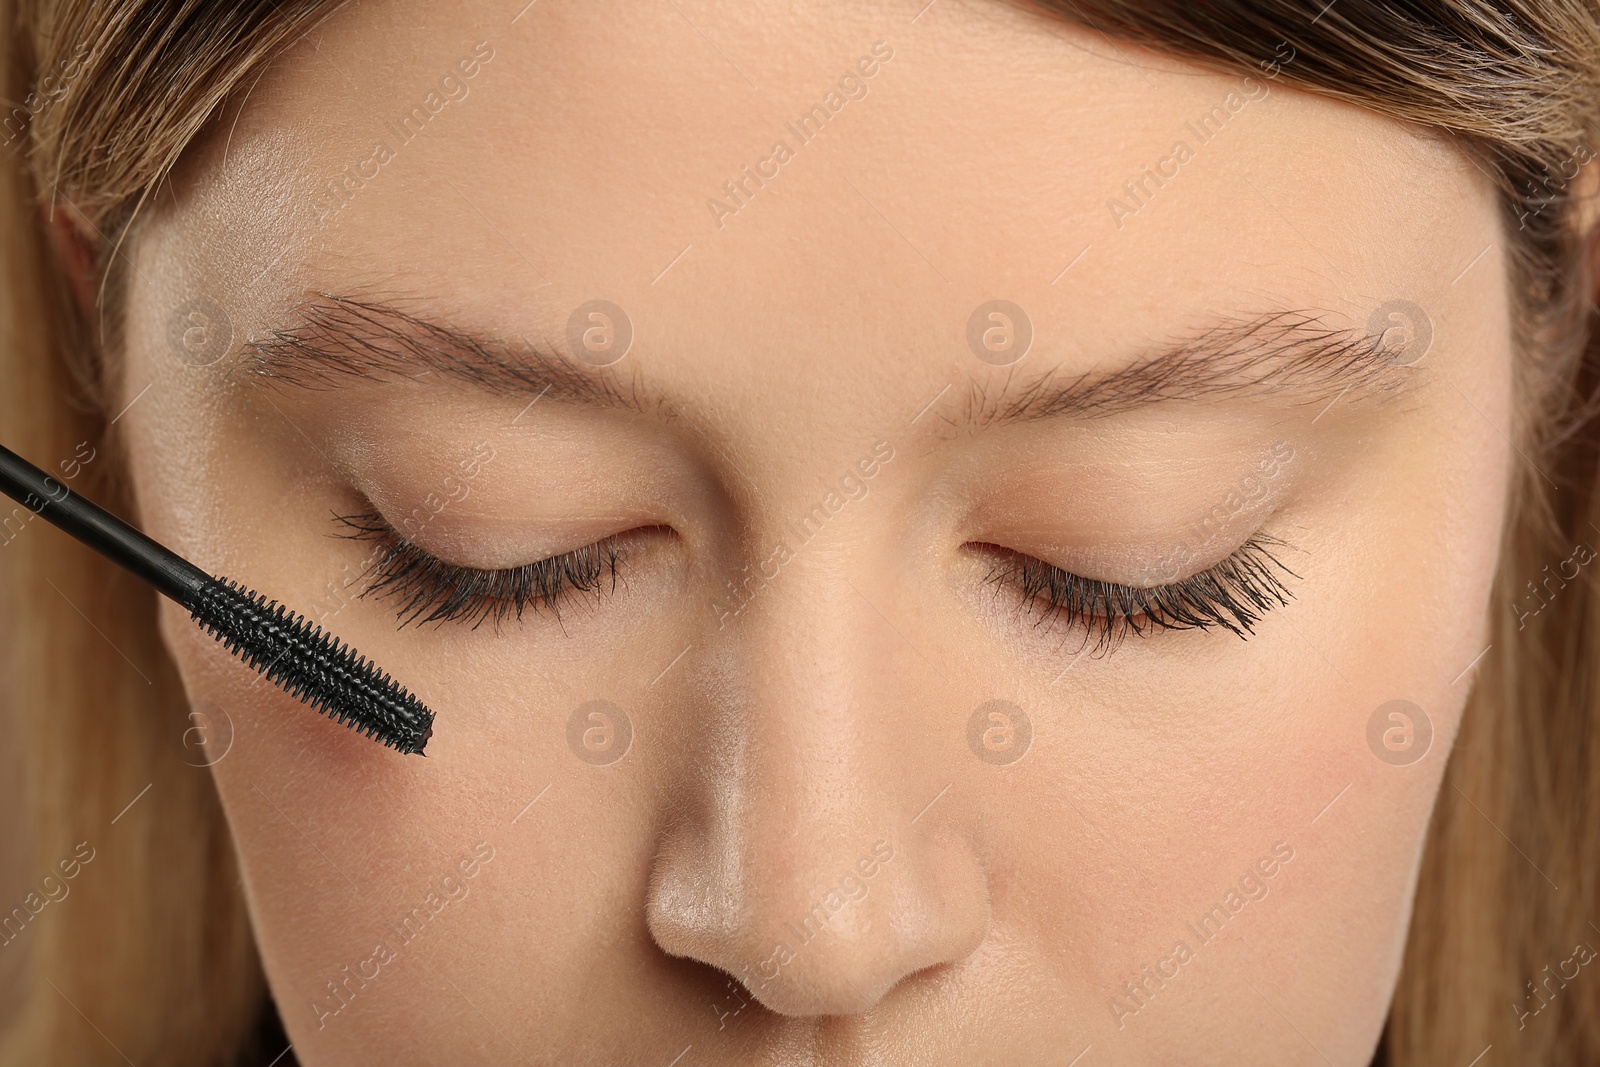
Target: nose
{"points": [[798, 859]]}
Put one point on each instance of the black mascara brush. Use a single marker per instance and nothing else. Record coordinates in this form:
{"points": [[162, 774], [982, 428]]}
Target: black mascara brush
{"points": [[290, 650]]}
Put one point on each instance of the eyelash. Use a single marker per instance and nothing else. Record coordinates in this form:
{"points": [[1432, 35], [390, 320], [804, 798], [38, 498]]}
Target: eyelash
{"points": [[431, 590], [1234, 595]]}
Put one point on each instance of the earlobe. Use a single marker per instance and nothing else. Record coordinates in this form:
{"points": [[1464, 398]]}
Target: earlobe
{"points": [[71, 236]]}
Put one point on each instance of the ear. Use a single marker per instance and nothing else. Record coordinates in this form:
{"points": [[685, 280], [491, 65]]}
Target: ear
{"points": [[1586, 195], [72, 237]]}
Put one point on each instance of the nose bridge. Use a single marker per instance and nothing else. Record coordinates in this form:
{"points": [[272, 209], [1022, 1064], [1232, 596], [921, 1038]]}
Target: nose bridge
{"points": [[808, 881], [818, 683]]}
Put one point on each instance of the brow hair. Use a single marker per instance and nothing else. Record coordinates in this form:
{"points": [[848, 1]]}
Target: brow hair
{"points": [[336, 338], [1286, 355], [1290, 355]]}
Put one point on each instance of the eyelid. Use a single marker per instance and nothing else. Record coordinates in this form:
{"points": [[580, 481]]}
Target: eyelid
{"points": [[1233, 594], [1161, 509], [434, 591], [473, 544]]}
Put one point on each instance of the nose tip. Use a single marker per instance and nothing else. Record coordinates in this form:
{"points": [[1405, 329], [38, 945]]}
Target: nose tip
{"points": [[793, 858], [838, 949]]}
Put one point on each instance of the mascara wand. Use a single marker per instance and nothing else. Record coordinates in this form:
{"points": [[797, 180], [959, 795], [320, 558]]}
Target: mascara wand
{"points": [[291, 651]]}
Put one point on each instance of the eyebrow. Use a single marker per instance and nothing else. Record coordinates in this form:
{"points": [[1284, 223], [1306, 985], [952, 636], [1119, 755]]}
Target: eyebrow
{"points": [[334, 340], [1292, 357], [1289, 356]]}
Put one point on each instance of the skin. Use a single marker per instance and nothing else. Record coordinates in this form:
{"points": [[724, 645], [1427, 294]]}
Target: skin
{"points": [[771, 753]]}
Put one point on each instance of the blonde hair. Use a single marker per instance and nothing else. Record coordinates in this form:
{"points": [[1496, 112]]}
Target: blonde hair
{"points": [[150, 953], [160, 952]]}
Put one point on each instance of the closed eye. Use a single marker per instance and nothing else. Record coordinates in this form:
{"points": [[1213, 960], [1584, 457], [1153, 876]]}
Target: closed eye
{"points": [[1232, 595], [430, 590]]}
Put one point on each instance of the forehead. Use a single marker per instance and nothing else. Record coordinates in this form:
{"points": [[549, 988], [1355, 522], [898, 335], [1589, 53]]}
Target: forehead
{"points": [[820, 191]]}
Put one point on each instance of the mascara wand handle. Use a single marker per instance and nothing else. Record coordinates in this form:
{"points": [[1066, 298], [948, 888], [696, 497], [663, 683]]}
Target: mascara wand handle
{"points": [[169, 573]]}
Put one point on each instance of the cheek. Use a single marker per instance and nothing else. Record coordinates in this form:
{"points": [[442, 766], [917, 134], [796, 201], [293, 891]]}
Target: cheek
{"points": [[331, 830], [1161, 782], [341, 841]]}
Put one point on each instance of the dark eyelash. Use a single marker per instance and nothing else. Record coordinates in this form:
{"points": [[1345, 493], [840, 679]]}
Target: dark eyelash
{"points": [[1233, 595], [430, 590]]}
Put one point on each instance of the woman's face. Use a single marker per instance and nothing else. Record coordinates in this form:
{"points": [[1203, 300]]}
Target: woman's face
{"points": [[914, 324]]}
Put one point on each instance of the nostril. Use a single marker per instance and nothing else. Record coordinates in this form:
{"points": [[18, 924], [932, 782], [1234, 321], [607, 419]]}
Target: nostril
{"points": [[838, 993], [715, 995], [730, 1002], [733, 1001]]}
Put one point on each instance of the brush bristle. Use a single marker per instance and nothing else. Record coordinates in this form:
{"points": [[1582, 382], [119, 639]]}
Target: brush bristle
{"points": [[297, 656]]}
